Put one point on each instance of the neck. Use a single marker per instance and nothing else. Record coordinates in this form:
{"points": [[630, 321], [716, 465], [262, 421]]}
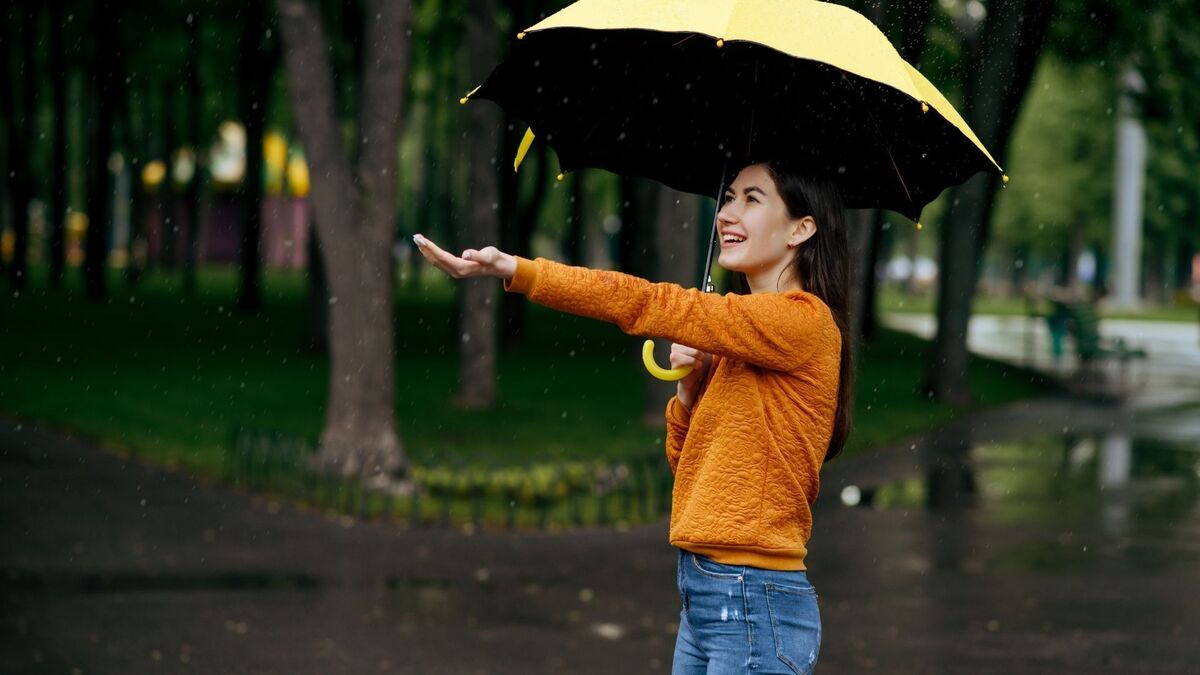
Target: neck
{"points": [[776, 279]]}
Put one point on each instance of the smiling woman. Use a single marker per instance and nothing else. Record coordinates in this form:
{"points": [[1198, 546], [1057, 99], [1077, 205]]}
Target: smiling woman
{"points": [[766, 404]]}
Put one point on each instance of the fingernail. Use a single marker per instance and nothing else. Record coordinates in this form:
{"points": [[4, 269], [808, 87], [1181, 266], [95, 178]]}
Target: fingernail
{"points": [[419, 239]]}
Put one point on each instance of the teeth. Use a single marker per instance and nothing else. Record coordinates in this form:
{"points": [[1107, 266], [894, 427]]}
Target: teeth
{"points": [[730, 238]]}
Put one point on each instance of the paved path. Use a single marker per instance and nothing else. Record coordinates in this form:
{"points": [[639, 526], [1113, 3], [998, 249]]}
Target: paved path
{"points": [[1171, 372], [109, 566]]}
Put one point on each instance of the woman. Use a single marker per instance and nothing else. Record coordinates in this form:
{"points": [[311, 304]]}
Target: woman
{"points": [[768, 402]]}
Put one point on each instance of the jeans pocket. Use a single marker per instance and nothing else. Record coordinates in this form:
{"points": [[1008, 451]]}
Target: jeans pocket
{"points": [[796, 624], [711, 568]]}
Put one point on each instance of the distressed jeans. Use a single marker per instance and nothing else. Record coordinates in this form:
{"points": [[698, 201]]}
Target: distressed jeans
{"points": [[744, 620]]}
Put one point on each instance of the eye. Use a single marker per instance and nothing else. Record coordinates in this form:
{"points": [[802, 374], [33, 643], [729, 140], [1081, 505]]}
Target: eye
{"points": [[752, 198], [727, 198]]}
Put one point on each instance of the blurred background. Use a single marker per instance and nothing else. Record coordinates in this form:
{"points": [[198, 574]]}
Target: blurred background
{"points": [[245, 429]]}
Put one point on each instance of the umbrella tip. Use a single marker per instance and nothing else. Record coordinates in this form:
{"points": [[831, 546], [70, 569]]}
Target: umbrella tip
{"points": [[924, 106], [920, 226], [1004, 178], [560, 177], [720, 42], [521, 35], [471, 93]]}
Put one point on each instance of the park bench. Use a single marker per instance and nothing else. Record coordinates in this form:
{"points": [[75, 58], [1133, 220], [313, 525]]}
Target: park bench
{"points": [[1077, 320]]}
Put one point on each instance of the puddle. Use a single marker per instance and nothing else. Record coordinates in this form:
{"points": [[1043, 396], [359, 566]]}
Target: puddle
{"points": [[1057, 502]]}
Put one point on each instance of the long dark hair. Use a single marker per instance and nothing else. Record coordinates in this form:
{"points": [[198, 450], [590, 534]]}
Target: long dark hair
{"points": [[822, 265]]}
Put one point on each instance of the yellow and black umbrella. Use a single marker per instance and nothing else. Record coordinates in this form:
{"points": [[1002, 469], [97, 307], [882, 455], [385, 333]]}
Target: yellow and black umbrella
{"points": [[685, 91]]}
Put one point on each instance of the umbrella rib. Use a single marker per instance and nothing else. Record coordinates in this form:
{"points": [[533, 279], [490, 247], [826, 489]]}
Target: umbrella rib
{"points": [[887, 148]]}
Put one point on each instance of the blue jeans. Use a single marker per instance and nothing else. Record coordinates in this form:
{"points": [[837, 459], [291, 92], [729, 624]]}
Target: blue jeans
{"points": [[744, 620]]}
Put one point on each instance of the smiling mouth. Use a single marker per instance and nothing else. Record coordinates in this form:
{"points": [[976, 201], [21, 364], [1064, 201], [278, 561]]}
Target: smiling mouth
{"points": [[731, 242]]}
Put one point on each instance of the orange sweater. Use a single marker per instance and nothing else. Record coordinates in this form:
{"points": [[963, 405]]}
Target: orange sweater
{"points": [[747, 457]]}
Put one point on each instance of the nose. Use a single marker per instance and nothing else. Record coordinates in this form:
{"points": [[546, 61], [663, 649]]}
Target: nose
{"points": [[726, 214]]}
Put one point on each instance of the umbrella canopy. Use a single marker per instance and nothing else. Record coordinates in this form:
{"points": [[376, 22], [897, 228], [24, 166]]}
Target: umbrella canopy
{"points": [[684, 91]]}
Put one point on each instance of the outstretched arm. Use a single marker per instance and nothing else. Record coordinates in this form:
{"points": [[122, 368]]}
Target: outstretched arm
{"points": [[771, 330]]}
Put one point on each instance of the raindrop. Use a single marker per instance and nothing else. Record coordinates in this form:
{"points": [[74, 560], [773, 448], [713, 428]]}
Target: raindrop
{"points": [[851, 495]]}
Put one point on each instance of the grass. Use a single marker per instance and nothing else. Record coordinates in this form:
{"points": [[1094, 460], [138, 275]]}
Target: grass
{"points": [[892, 299], [153, 374]]}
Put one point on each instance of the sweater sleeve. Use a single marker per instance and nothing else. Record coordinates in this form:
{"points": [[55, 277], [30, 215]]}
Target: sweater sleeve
{"points": [[678, 420], [778, 331]]}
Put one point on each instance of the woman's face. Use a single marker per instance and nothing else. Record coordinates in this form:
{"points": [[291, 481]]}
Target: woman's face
{"points": [[752, 210]]}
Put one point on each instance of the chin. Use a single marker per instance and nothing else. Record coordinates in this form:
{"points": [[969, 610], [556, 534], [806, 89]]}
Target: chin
{"points": [[724, 261]]}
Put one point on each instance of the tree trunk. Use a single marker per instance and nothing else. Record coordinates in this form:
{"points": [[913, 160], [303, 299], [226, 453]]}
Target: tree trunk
{"points": [[477, 348], [192, 195], [21, 133], [317, 317], [998, 76], [576, 244], [256, 84], [57, 214], [636, 240], [518, 240], [516, 229], [861, 223], [100, 188], [169, 254], [355, 219]]}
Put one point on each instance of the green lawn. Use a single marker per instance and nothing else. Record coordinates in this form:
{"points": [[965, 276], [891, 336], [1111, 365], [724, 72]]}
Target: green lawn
{"points": [[150, 373]]}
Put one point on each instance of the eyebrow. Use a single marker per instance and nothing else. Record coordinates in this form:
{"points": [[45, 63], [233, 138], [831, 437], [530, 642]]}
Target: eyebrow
{"points": [[746, 191]]}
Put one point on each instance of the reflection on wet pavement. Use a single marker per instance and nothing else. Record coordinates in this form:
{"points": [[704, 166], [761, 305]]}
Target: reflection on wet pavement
{"points": [[1110, 499]]}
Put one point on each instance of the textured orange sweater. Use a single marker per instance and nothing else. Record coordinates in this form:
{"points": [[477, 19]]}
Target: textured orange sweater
{"points": [[747, 456]]}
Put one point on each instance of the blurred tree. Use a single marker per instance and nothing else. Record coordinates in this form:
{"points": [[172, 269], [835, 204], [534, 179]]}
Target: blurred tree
{"points": [[20, 87], [106, 87], [478, 308], [999, 67], [575, 246], [520, 208], [195, 109], [355, 218], [1059, 201], [56, 214], [257, 62]]}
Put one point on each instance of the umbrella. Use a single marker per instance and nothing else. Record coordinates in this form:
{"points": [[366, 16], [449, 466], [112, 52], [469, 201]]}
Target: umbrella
{"points": [[684, 91]]}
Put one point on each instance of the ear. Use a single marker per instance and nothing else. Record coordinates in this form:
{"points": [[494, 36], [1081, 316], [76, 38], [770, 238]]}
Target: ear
{"points": [[802, 230]]}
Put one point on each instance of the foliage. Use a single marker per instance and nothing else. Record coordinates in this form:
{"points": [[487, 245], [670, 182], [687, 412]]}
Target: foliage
{"points": [[1061, 162]]}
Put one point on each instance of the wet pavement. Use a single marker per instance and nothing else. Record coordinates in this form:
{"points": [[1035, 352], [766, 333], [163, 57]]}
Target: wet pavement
{"points": [[1050, 536]]}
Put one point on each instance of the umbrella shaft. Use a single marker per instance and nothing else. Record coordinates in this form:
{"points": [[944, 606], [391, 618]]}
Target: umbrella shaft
{"points": [[706, 277]]}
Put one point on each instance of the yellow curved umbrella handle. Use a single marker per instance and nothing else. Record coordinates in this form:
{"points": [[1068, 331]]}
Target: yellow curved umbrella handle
{"points": [[661, 373]]}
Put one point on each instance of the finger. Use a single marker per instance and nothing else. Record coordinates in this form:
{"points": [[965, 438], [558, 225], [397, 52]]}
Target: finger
{"points": [[677, 359], [444, 260]]}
